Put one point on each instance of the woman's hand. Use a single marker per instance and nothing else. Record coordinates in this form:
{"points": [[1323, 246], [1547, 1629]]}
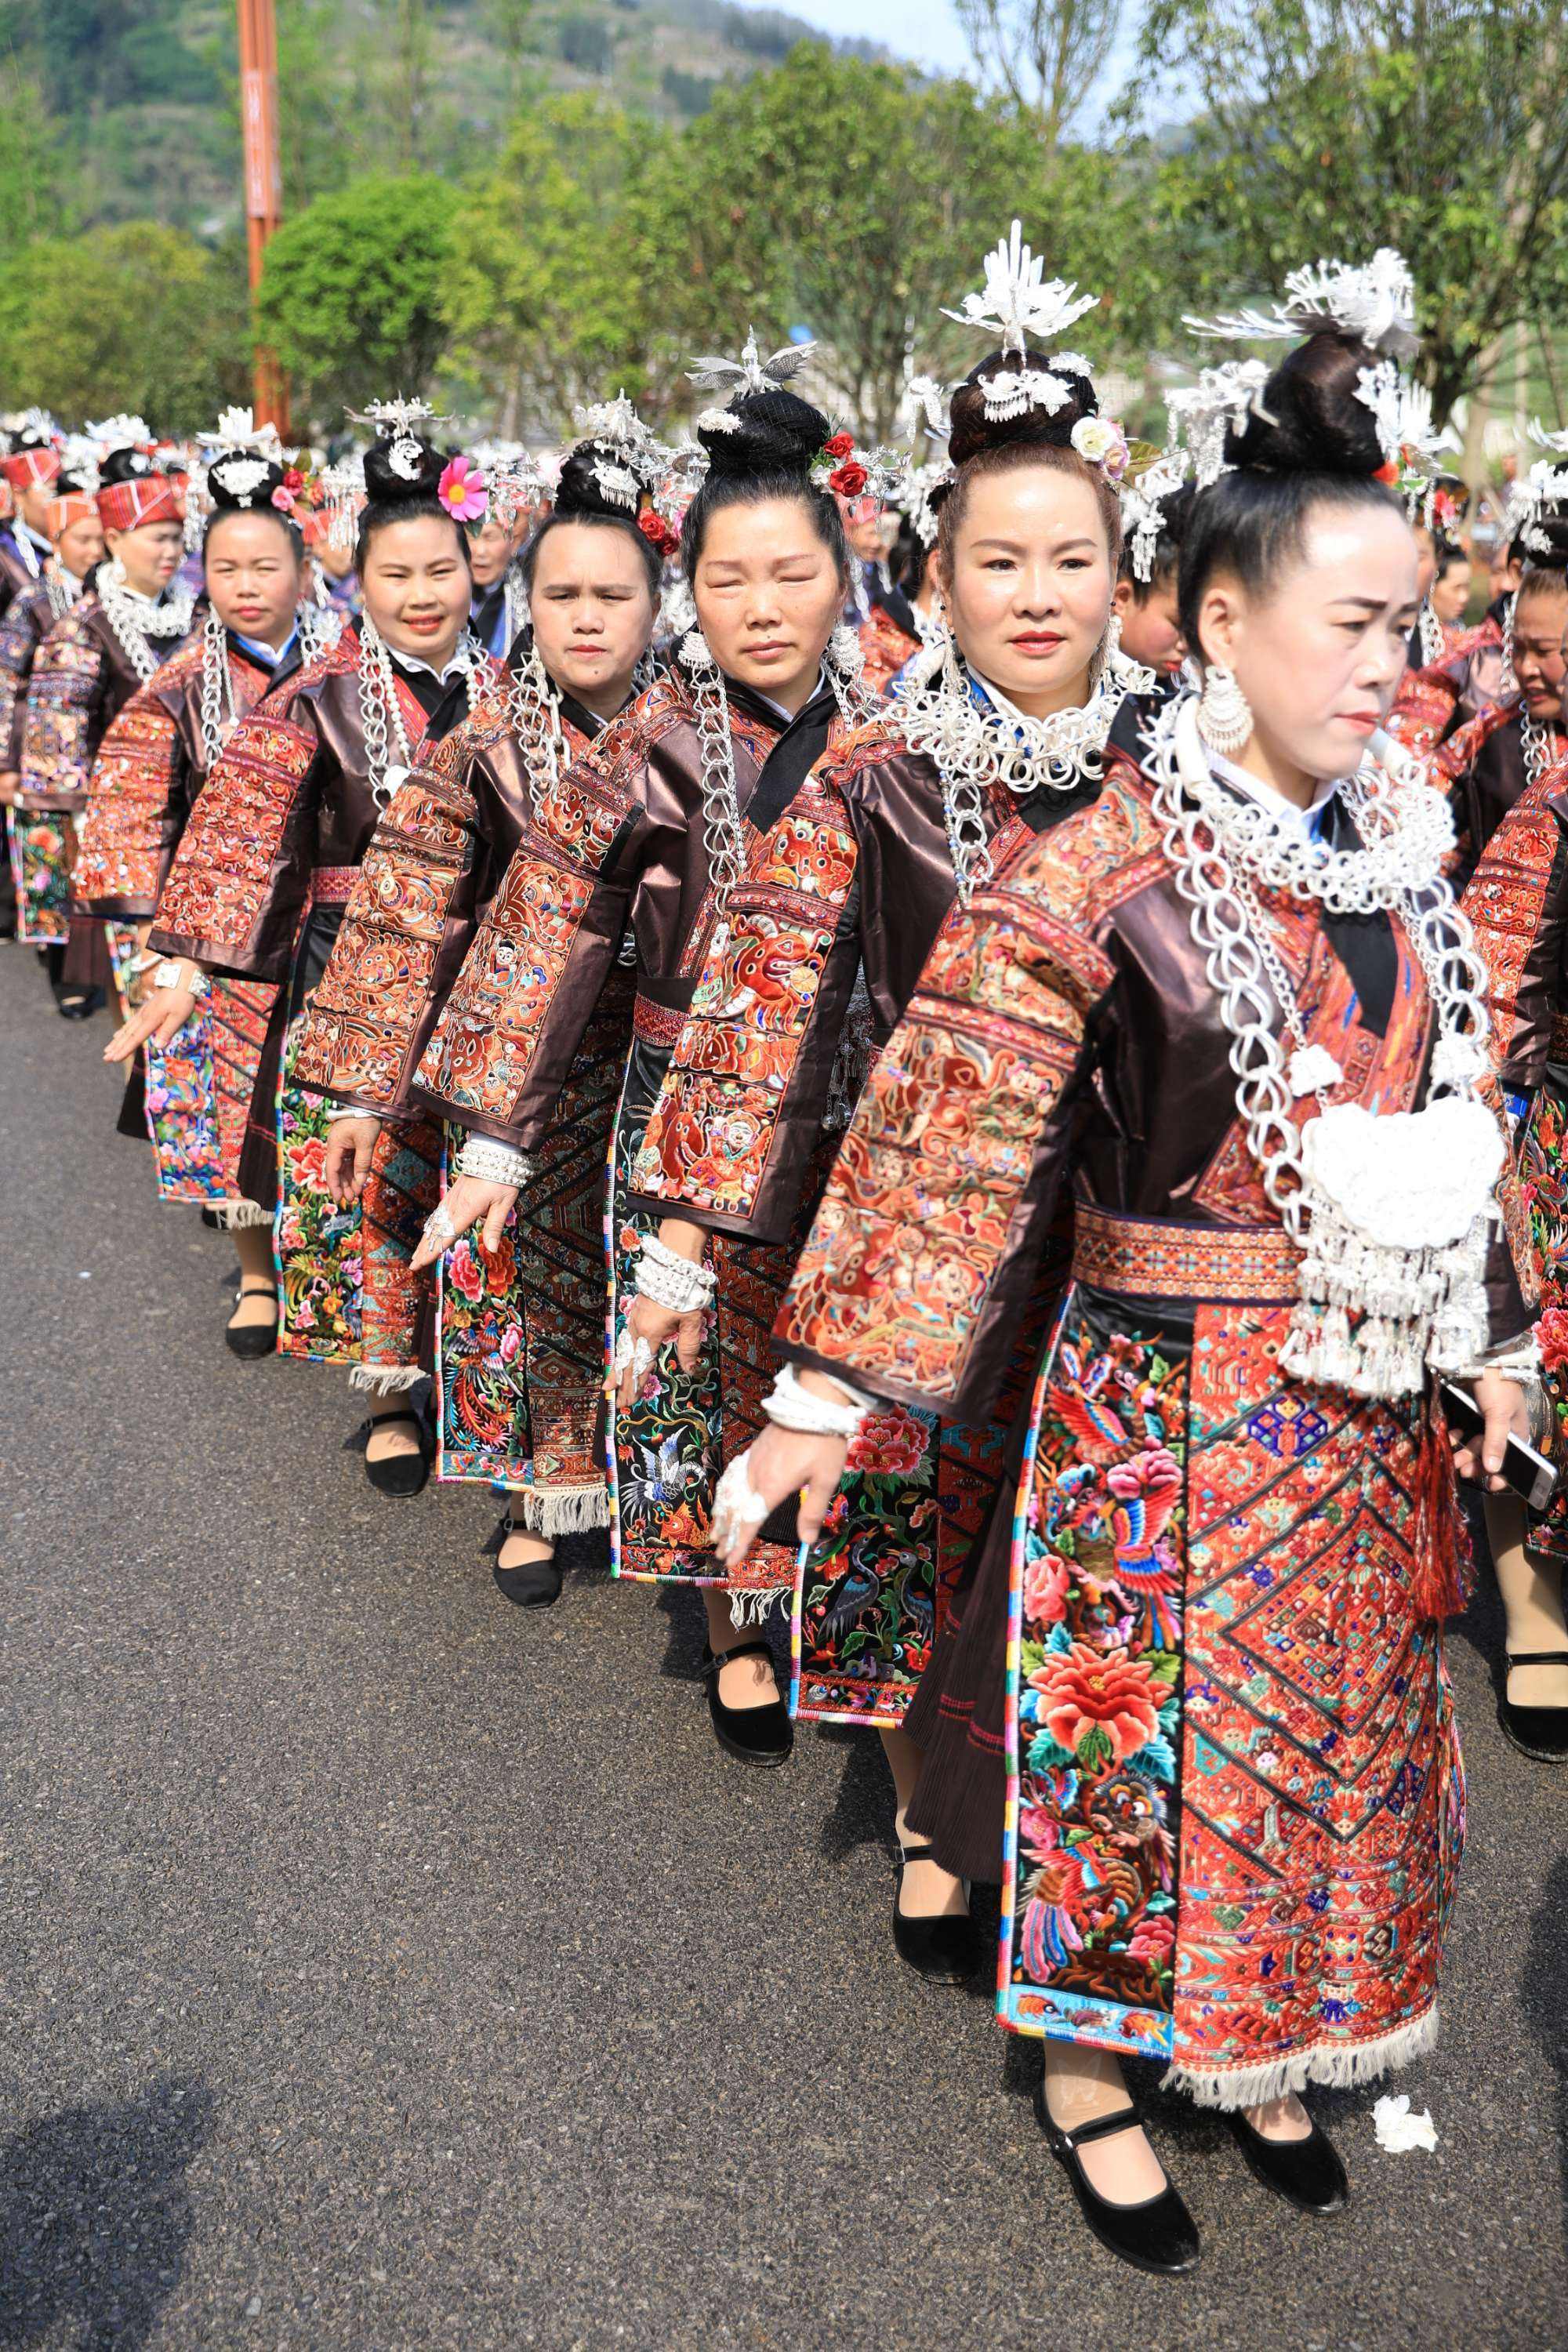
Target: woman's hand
{"points": [[781, 1462], [467, 1203], [162, 1014], [1507, 1413], [652, 1326], [351, 1148]]}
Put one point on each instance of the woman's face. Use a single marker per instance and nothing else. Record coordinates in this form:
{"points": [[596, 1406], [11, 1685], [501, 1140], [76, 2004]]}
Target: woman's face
{"points": [[1425, 557], [1538, 625], [1321, 652], [1152, 631], [1029, 589], [1452, 593], [253, 576], [417, 587], [768, 597], [149, 555], [81, 544], [592, 612], [489, 548]]}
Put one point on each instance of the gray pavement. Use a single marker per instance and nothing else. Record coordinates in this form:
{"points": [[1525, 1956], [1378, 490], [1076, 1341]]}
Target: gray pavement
{"points": [[381, 1969]]}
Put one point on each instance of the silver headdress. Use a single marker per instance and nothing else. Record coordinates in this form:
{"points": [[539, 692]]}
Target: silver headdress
{"points": [[394, 422], [1201, 414], [1142, 515], [917, 491], [1375, 301], [343, 493], [750, 371], [1018, 300], [79, 458], [237, 429], [121, 432], [1401, 412]]}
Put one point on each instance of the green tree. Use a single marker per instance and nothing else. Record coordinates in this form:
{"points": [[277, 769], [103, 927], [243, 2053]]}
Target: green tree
{"points": [[1333, 126], [139, 317], [31, 197], [353, 291]]}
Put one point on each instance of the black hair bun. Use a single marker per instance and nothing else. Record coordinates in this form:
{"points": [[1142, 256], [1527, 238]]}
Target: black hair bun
{"points": [[125, 466], [239, 481], [1317, 424], [772, 432], [402, 468], [1176, 511], [1544, 542], [589, 475], [971, 429]]}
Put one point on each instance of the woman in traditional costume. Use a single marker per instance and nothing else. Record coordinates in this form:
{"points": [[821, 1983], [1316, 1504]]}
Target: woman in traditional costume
{"points": [[1488, 757], [996, 735], [1200, 1712], [153, 762], [643, 843], [256, 892], [521, 1331], [90, 664], [76, 544]]}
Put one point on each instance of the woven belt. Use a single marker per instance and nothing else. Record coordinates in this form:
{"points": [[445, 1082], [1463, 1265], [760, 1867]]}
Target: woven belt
{"points": [[657, 1024], [1156, 1257], [330, 885]]}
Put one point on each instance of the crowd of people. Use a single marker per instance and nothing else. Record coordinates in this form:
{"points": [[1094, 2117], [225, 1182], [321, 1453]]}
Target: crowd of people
{"points": [[993, 1092]]}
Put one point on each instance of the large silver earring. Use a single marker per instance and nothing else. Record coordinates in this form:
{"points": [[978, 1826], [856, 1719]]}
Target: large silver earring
{"points": [[1224, 714]]}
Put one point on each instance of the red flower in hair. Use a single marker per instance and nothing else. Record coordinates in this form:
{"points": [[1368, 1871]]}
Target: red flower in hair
{"points": [[657, 531], [294, 480], [1389, 474], [841, 446], [848, 480]]}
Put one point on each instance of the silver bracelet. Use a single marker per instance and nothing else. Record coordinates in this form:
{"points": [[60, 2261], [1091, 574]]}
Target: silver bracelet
{"points": [[672, 1281], [172, 974], [347, 1111], [489, 1163], [792, 1407]]}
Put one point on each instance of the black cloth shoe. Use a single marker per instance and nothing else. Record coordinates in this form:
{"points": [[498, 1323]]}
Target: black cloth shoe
{"points": [[1158, 2233], [1307, 2173], [77, 1003], [253, 1339], [400, 1473], [533, 1583], [945, 1950], [1541, 1732], [757, 1734]]}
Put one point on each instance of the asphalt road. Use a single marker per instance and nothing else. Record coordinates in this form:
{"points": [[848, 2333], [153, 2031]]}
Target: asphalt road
{"points": [[381, 1969]]}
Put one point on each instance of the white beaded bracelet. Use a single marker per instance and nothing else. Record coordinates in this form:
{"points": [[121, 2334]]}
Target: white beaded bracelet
{"points": [[793, 1407], [491, 1162], [671, 1281]]}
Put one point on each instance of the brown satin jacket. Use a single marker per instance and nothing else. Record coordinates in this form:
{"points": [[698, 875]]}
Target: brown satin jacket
{"points": [[618, 845], [1064, 1032], [435, 864], [81, 680]]}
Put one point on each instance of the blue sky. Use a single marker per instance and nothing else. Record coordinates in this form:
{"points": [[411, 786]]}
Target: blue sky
{"points": [[927, 32]]}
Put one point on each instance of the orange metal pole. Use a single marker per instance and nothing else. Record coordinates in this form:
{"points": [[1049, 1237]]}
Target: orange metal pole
{"points": [[263, 179]]}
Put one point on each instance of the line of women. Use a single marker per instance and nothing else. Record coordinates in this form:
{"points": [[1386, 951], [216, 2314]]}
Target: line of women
{"points": [[998, 1174]]}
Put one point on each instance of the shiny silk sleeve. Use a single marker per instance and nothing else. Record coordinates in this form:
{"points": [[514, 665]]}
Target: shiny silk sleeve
{"points": [[62, 697], [21, 630], [370, 1013], [1456, 755], [241, 874], [732, 1135], [509, 1030], [923, 1249], [138, 795], [1426, 706], [1518, 905]]}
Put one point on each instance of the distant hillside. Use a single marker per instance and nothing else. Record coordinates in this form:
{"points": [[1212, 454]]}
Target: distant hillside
{"points": [[140, 94]]}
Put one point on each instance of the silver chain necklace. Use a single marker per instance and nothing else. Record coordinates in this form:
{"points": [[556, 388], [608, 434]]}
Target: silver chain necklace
{"points": [[1391, 1212], [135, 618], [724, 836], [1433, 644], [379, 716], [62, 588], [1539, 745], [533, 713], [22, 541]]}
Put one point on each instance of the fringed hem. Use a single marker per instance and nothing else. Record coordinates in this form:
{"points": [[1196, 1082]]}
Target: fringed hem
{"points": [[1335, 2066], [385, 1380], [755, 1608], [238, 1216], [559, 1510]]}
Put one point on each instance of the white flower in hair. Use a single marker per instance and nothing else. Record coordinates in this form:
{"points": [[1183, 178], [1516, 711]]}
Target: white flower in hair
{"points": [[1375, 301], [1018, 300], [239, 478], [750, 371], [717, 420]]}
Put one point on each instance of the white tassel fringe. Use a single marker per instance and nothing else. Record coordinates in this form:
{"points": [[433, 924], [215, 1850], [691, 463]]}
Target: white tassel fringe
{"points": [[560, 1510], [385, 1380], [239, 1216], [755, 1607], [1334, 2067]]}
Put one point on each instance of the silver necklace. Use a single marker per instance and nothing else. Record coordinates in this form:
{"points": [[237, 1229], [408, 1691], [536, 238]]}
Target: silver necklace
{"points": [[135, 618], [1433, 645], [62, 588], [533, 712], [1392, 1213], [379, 716], [1539, 745]]}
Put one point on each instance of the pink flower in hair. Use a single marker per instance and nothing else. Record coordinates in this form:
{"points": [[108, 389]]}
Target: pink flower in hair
{"points": [[462, 490]]}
